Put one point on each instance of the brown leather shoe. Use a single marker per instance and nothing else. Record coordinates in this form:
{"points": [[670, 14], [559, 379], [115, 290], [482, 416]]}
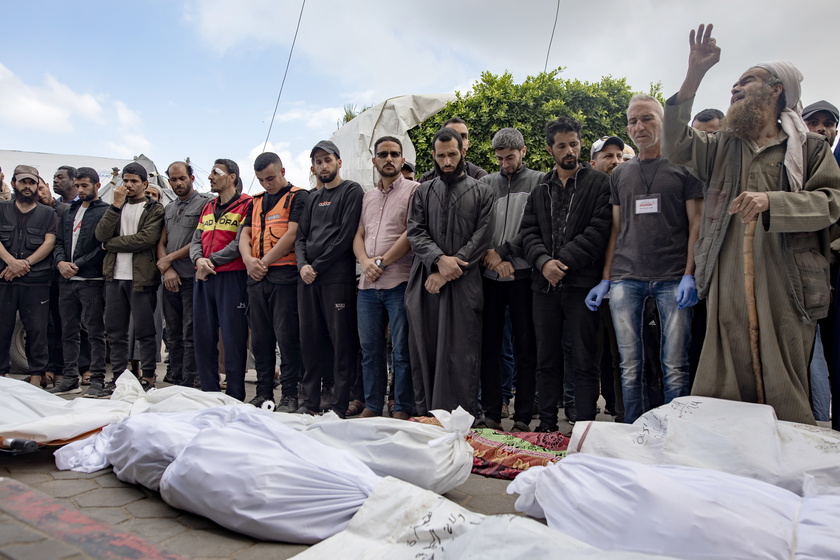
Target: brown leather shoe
{"points": [[368, 413], [400, 415]]}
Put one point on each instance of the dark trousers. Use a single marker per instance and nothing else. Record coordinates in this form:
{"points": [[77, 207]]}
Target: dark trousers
{"points": [[55, 362], [220, 303], [516, 296], [121, 304], [610, 364], [178, 312], [82, 305], [558, 310], [329, 340], [273, 316], [33, 305]]}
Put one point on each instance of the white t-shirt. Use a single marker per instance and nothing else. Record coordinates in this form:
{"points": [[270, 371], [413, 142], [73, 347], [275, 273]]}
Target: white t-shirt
{"points": [[129, 219], [77, 226]]}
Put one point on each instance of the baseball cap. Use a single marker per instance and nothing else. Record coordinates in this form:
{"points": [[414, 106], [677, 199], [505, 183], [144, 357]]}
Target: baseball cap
{"points": [[821, 106], [603, 141], [327, 146], [408, 165], [25, 171]]}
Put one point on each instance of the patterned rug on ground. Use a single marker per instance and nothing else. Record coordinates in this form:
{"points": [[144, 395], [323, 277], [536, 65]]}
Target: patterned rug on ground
{"points": [[505, 455]]}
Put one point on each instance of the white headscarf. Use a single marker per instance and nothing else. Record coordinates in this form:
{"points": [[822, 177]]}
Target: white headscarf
{"points": [[791, 118]]}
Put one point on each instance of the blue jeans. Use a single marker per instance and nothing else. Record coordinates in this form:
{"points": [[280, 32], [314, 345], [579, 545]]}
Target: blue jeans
{"points": [[376, 310], [627, 302]]}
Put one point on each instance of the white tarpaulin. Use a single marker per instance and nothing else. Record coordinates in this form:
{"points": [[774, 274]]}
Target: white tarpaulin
{"points": [[696, 514], [260, 478], [402, 522], [392, 117], [729, 436]]}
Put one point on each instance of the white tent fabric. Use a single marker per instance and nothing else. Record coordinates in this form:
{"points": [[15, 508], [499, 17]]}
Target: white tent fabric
{"points": [[696, 514], [46, 164], [392, 117], [402, 522], [729, 436], [266, 480]]}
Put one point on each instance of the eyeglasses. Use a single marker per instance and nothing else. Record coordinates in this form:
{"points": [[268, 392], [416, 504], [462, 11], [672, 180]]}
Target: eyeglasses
{"points": [[383, 155]]}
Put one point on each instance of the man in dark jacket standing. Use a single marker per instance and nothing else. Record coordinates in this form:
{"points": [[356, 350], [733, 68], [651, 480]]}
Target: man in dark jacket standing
{"points": [[130, 230], [27, 238], [565, 231], [327, 290], [78, 256], [507, 284]]}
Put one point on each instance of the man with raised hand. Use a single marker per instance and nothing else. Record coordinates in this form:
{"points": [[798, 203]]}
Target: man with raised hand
{"points": [[763, 167], [129, 231]]}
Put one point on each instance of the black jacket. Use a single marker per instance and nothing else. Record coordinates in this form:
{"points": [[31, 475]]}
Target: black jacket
{"points": [[22, 244], [587, 230], [89, 252]]}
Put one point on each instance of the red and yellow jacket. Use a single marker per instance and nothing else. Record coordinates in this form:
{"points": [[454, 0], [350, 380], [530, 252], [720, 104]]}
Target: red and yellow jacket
{"points": [[265, 235], [216, 235]]}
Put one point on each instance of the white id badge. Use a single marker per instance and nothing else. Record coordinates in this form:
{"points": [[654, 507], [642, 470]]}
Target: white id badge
{"points": [[647, 203]]}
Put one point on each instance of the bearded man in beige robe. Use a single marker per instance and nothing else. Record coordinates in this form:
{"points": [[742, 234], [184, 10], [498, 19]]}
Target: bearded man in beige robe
{"points": [[762, 165]]}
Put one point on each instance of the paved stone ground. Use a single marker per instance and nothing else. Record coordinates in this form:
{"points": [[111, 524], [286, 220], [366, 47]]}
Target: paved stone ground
{"points": [[136, 510]]}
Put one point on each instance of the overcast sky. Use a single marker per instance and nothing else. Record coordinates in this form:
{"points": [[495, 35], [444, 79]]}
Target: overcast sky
{"points": [[199, 78]]}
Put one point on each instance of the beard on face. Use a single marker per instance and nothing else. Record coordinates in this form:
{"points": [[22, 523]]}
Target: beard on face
{"points": [[568, 163], [24, 198], [393, 171], [747, 117], [329, 178], [451, 177]]}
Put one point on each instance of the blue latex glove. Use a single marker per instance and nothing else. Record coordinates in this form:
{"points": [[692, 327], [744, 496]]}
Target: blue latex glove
{"points": [[687, 292], [596, 295]]}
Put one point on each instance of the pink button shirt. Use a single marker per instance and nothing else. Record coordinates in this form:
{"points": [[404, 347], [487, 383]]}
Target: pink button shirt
{"points": [[385, 219]]}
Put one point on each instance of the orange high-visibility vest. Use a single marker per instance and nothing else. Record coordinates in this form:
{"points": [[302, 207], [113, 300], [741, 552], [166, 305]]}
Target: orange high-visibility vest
{"points": [[265, 234]]}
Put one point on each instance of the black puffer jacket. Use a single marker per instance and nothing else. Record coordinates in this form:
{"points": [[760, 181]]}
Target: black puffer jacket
{"points": [[587, 230]]}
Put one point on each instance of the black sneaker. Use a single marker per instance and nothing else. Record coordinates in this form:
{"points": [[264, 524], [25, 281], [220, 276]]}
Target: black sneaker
{"points": [[287, 404], [99, 391], [259, 400], [545, 428], [66, 387], [571, 415]]}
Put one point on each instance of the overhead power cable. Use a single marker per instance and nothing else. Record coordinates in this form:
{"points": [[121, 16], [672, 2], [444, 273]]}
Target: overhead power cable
{"points": [[556, 14], [283, 83]]}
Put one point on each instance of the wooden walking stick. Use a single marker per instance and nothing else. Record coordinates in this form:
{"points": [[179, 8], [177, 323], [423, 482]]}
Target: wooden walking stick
{"points": [[752, 311]]}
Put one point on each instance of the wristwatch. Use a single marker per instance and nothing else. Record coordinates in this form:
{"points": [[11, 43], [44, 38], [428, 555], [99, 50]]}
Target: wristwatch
{"points": [[378, 262]]}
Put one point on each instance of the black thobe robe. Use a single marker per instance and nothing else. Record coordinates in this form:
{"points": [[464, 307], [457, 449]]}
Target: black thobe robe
{"points": [[445, 328]]}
